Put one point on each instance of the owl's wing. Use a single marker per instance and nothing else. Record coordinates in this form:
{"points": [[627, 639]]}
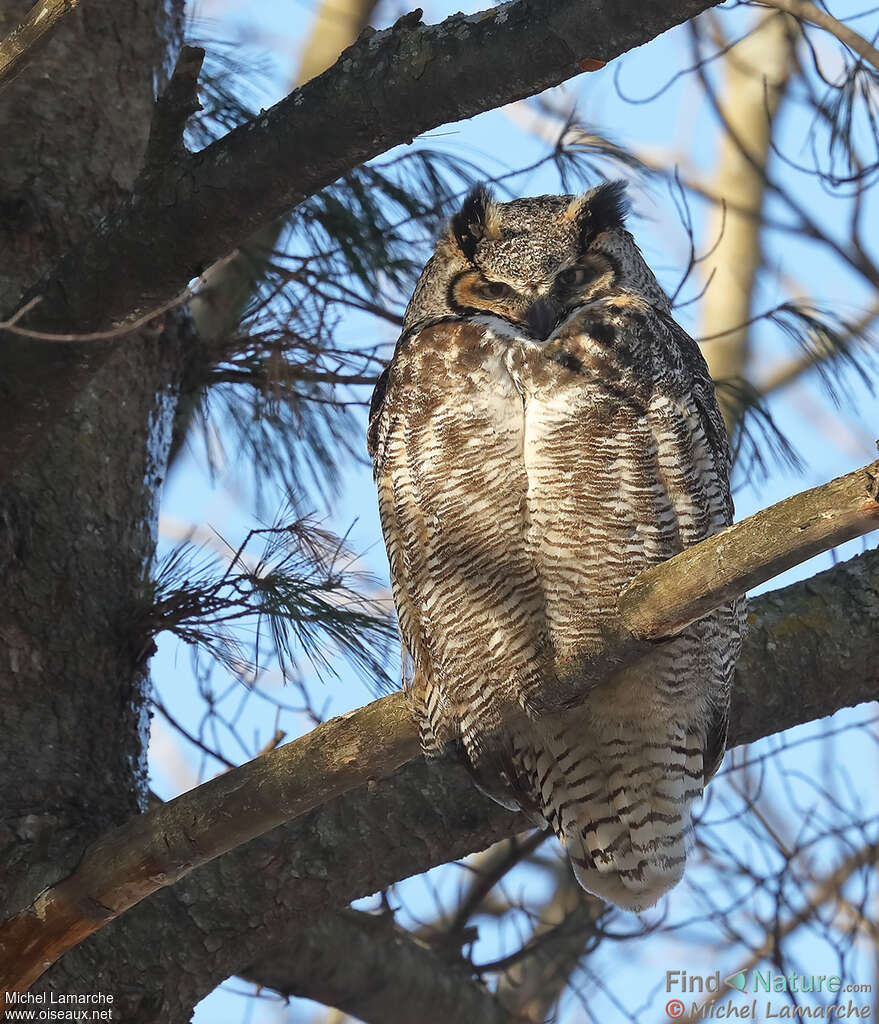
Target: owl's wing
{"points": [[391, 471], [704, 400], [632, 420], [715, 743], [446, 437], [729, 618]]}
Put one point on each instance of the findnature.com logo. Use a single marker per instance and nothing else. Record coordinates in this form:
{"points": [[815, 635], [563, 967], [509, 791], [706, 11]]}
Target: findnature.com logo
{"points": [[758, 983]]}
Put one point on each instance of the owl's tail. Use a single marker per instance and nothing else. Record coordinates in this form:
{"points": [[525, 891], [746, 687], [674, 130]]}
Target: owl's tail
{"points": [[619, 800]]}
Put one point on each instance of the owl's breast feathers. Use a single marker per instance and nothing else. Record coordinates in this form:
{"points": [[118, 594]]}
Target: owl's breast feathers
{"points": [[521, 485], [447, 442]]}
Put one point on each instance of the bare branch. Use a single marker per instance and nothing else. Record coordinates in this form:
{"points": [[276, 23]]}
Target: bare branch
{"points": [[565, 933], [811, 649], [489, 873], [173, 109], [827, 890], [17, 49], [385, 974], [156, 849], [805, 10]]}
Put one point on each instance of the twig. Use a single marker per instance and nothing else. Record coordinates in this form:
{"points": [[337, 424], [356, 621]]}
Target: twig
{"points": [[194, 740], [157, 849], [277, 739], [805, 10], [566, 931], [788, 372], [19, 47], [490, 874], [829, 888], [11, 324]]}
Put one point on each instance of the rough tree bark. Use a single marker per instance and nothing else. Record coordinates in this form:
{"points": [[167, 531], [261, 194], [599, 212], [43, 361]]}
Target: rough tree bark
{"points": [[78, 514], [384, 970], [77, 517], [811, 649]]}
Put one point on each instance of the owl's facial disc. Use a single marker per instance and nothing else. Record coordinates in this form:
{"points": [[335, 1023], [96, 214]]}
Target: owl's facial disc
{"points": [[537, 305]]}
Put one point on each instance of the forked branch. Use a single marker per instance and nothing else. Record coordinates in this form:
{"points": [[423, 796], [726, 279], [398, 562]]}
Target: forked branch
{"points": [[807, 11], [157, 849]]}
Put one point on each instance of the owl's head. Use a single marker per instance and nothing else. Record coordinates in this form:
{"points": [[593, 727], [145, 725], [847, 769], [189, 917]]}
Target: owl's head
{"points": [[532, 261]]}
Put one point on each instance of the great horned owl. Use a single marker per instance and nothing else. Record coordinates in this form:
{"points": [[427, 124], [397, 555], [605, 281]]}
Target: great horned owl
{"points": [[545, 431]]}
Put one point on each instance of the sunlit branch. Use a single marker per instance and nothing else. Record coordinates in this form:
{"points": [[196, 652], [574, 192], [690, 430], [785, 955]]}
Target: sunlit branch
{"points": [[804, 10], [19, 47], [156, 849]]}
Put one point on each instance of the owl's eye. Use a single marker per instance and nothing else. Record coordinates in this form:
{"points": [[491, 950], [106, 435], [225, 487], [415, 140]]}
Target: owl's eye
{"points": [[572, 276], [494, 289]]}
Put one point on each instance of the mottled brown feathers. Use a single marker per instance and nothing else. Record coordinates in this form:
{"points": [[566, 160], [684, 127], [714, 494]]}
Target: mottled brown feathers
{"points": [[522, 481]]}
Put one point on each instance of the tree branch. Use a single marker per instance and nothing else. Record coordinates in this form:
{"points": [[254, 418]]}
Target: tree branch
{"points": [[811, 649], [386, 89], [804, 10], [664, 600], [157, 849], [786, 373], [18, 48], [564, 933], [385, 975], [173, 109]]}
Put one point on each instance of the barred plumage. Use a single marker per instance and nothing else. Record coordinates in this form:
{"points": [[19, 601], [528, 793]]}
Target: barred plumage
{"points": [[545, 431]]}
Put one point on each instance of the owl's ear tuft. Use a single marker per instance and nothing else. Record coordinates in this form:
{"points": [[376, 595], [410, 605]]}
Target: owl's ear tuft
{"points": [[600, 209], [477, 219]]}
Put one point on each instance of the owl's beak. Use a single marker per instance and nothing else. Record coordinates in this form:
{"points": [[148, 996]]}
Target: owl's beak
{"points": [[541, 317]]}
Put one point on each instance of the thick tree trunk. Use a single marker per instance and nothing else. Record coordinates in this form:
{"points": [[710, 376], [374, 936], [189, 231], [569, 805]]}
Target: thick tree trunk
{"points": [[78, 517]]}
